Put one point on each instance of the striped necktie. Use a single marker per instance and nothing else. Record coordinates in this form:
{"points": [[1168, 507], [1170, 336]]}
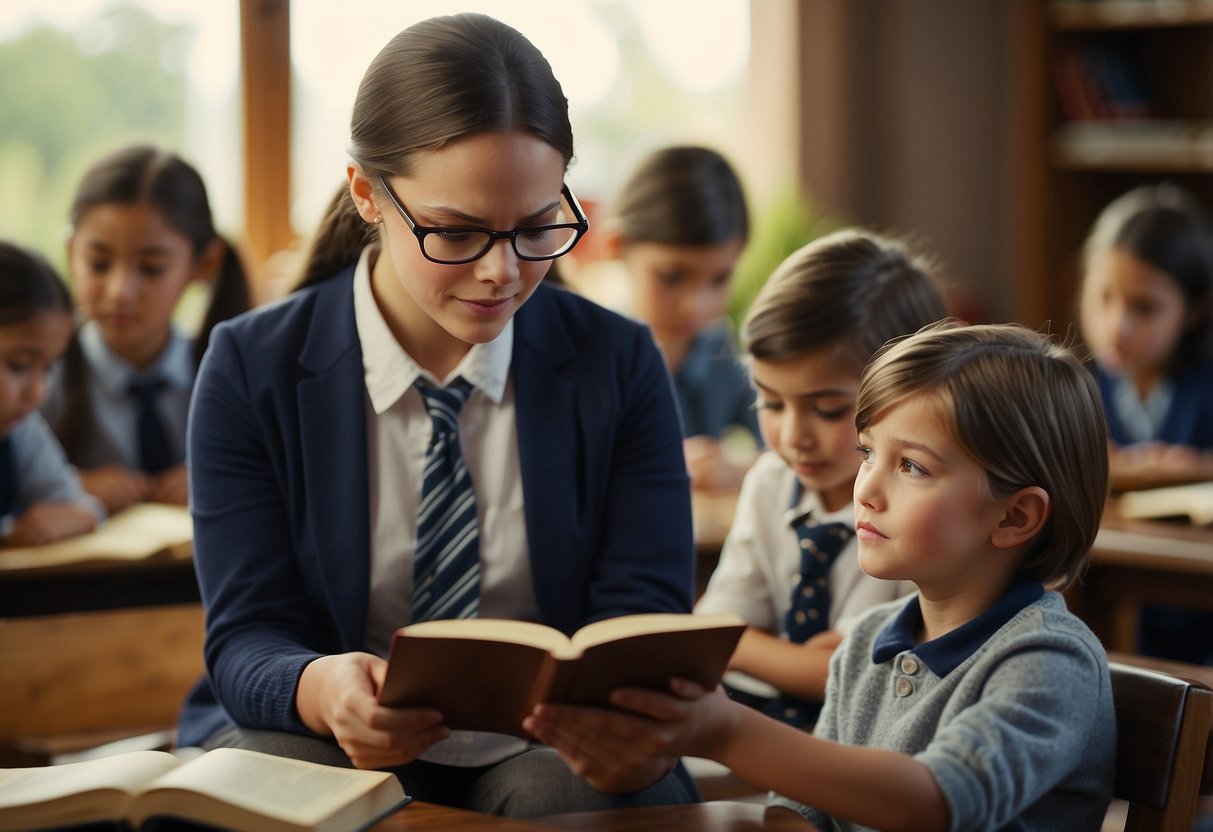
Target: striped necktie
{"points": [[446, 565]]}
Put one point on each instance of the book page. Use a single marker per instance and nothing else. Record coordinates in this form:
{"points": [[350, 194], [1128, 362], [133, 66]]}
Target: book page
{"points": [[611, 629], [297, 792], [493, 629], [135, 533]]}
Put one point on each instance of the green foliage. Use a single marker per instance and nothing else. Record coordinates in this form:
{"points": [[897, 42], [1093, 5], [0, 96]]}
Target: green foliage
{"points": [[783, 226], [68, 97]]}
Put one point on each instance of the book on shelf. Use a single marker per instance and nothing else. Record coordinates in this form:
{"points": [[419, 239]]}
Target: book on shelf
{"points": [[136, 533], [1192, 500], [227, 788], [487, 674]]}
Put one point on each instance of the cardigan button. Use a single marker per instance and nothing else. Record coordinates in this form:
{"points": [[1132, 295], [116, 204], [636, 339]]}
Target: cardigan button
{"points": [[909, 665], [904, 687]]}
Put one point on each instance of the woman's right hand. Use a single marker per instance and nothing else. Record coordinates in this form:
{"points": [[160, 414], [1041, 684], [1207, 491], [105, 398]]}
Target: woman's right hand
{"points": [[337, 697], [115, 486]]}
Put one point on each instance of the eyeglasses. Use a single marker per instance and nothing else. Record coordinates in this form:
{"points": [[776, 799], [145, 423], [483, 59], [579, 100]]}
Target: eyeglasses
{"points": [[453, 246]]}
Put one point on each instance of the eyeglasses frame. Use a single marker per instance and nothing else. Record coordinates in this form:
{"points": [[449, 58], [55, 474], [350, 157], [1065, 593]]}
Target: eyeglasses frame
{"points": [[582, 225]]}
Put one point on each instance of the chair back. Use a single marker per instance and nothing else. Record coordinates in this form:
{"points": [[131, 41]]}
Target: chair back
{"points": [[1164, 747]]}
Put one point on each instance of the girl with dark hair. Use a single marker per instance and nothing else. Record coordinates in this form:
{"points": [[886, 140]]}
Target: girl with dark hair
{"points": [[41, 500], [421, 430], [141, 235]]}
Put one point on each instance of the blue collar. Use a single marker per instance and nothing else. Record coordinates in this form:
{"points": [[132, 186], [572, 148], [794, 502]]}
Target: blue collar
{"points": [[944, 654]]}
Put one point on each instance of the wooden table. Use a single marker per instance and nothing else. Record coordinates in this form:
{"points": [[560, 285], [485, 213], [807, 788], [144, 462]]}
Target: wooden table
{"points": [[714, 816], [1136, 562]]}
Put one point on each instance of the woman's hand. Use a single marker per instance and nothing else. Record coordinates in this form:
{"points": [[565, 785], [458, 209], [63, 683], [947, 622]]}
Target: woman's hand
{"points": [[337, 697], [116, 487], [631, 748], [44, 523]]}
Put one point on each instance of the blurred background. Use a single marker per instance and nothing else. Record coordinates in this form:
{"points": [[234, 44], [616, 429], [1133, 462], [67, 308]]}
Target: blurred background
{"points": [[992, 132]]}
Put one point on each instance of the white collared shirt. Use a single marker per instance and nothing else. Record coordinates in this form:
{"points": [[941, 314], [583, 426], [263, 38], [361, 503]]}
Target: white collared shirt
{"points": [[398, 430], [760, 560], [112, 437]]}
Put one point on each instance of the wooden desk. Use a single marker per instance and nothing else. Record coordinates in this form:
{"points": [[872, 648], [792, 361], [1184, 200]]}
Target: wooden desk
{"points": [[1136, 562], [714, 816]]}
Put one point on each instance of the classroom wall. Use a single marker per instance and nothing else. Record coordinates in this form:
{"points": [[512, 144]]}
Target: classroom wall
{"points": [[908, 125]]}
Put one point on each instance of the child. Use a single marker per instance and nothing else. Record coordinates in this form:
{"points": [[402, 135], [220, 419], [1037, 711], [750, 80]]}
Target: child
{"points": [[679, 227], [1146, 302], [808, 334], [424, 430], [41, 500], [980, 702], [141, 234]]}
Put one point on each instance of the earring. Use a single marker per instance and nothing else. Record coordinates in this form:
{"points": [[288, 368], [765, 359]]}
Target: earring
{"points": [[378, 219]]}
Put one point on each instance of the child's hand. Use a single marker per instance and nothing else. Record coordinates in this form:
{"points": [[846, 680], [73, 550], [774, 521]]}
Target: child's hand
{"points": [[337, 697], [171, 486], [631, 748], [116, 487], [47, 522], [708, 466]]}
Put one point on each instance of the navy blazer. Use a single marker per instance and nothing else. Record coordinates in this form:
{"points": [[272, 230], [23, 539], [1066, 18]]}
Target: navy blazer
{"points": [[1189, 419], [280, 495]]}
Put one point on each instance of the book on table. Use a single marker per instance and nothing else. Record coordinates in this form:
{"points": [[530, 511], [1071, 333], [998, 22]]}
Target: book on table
{"points": [[487, 674], [139, 532], [1192, 500], [227, 788]]}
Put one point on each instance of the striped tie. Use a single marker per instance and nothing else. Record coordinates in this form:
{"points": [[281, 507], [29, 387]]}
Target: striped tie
{"points": [[446, 566]]}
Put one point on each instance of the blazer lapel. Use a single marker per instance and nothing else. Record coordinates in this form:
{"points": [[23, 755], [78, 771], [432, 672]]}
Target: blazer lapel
{"points": [[333, 445]]}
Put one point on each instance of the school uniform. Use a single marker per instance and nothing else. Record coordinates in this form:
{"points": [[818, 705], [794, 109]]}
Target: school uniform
{"points": [[714, 390], [1012, 713], [33, 469], [760, 561], [291, 485], [1179, 412], [112, 437]]}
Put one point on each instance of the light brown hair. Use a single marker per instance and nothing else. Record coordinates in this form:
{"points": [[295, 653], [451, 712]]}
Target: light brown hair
{"points": [[1024, 408]]}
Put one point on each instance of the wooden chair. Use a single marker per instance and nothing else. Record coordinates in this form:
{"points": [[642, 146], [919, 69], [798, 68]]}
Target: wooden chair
{"points": [[1164, 747]]}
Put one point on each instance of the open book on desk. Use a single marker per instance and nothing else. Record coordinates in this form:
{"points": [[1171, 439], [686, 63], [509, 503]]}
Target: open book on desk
{"points": [[1194, 501], [228, 788], [487, 674], [139, 532]]}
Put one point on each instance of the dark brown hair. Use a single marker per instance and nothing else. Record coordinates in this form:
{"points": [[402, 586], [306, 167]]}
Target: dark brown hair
{"points": [[437, 81], [683, 196], [849, 291]]}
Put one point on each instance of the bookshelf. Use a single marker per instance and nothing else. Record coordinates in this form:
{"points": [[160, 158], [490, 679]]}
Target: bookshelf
{"points": [[1115, 93]]}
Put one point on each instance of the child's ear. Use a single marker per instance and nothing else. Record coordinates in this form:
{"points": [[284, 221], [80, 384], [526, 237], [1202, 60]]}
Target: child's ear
{"points": [[208, 262], [360, 191], [1026, 512]]}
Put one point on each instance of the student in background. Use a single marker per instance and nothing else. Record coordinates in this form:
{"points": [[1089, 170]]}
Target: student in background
{"points": [[679, 227], [41, 500], [422, 337], [789, 565], [980, 702], [1147, 298], [141, 234]]}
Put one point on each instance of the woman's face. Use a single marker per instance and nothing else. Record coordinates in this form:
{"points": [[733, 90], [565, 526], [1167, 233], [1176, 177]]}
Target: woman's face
{"points": [[1133, 314], [499, 181]]}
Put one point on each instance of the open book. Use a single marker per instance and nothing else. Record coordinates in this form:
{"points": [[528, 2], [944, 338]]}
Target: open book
{"points": [[487, 674], [141, 531], [1194, 501], [228, 788]]}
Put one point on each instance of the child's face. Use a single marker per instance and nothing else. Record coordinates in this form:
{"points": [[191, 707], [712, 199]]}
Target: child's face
{"points": [[27, 350], [1133, 314], [806, 411], [923, 507], [490, 180], [130, 269], [679, 290]]}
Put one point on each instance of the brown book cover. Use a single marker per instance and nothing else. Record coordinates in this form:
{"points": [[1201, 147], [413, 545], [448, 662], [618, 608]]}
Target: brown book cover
{"points": [[487, 674]]}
